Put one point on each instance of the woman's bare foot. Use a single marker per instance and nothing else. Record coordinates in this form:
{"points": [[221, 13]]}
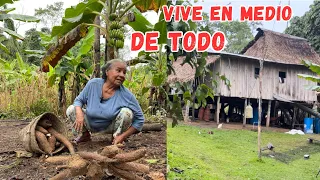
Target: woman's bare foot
{"points": [[84, 137]]}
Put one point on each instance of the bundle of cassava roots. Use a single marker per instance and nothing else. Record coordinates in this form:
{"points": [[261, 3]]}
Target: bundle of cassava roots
{"points": [[49, 139], [91, 164]]}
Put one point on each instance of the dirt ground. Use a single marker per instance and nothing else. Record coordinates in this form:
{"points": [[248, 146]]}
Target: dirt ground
{"points": [[13, 168], [232, 125]]}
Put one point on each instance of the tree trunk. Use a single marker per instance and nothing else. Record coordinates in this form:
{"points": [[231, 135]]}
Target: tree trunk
{"points": [[244, 120], [151, 127], [268, 114], [75, 88], [96, 48], [62, 97]]}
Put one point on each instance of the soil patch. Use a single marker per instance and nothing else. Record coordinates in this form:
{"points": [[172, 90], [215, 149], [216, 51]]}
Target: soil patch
{"points": [[12, 167]]}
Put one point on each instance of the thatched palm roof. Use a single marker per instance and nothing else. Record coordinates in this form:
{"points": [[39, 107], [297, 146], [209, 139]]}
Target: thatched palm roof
{"points": [[281, 48], [186, 73]]}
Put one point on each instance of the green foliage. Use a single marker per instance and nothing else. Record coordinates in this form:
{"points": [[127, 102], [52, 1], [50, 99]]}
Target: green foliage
{"points": [[3, 2], [8, 28], [40, 106], [140, 23], [314, 68], [19, 17], [307, 25], [16, 70], [32, 46], [83, 12], [138, 82], [159, 117]]}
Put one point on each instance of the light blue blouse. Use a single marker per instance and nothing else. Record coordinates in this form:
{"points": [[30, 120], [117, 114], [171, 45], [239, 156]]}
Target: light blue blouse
{"points": [[101, 113]]}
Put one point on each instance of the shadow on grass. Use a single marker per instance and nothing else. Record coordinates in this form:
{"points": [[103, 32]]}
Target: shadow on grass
{"points": [[294, 154]]}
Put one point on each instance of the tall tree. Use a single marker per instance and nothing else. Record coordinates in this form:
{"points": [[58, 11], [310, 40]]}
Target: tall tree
{"points": [[8, 27], [51, 15], [307, 26], [32, 41]]}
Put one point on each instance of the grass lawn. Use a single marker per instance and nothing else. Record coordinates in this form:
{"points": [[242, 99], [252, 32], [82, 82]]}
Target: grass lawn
{"points": [[232, 154]]}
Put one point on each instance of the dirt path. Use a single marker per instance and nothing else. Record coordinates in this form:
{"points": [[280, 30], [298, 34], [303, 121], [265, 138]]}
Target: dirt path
{"points": [[213, 124], [34, 167]]}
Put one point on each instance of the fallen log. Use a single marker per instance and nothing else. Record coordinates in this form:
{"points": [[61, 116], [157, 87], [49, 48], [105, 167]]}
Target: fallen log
{"points": [[152, 127]]}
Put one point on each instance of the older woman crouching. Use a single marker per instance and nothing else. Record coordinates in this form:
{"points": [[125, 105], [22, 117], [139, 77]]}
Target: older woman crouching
{"points": [[110, 107]]}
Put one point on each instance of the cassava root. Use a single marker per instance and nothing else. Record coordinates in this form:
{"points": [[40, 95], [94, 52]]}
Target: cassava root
{"points": [[92, 164], [43, 142], [62, 139]]}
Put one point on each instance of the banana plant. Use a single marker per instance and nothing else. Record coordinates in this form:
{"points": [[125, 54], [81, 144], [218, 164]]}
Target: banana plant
{"points": [[5, 14], [15, 71], [314, 78], [78, 18]]}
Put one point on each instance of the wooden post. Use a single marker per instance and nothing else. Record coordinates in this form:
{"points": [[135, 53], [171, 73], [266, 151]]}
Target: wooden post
{"points": [[244, 114], [268, 115], [193, 104], [186, 113], [218, 109], [260, 109], [294, 119]]}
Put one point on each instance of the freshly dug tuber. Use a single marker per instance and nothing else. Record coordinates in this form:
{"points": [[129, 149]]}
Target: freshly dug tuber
{"points": [[132, 166], [110, 151], [124, 174], [75, 166], [95, 171], [62, 139], [43, 130], [43, 142], [62, 175], [52, 142], [45, 123], [95, 156], [58, 144], [130, 156], [73, 161], [92, 164]]}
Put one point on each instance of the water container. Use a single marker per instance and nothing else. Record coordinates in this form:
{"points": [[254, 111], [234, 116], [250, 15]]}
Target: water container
{"points": [[308, 125], [316, 125], [255, 118]]}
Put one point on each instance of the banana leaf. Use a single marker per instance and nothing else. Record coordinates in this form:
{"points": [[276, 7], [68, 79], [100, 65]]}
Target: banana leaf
{"points": [[19, 17]]}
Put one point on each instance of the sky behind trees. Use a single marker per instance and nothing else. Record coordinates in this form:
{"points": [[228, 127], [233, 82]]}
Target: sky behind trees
{"points": [[299, 7]]}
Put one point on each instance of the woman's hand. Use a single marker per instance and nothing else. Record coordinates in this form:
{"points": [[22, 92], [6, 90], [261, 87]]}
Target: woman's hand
{"points": [[78, 124], [121, 137], [118, 139]]}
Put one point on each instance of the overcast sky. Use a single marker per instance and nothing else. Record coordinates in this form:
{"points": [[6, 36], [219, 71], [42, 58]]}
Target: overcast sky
{"points": [[299, 7]]}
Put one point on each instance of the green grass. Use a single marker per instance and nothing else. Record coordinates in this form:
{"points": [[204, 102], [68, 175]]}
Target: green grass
{"points": [[233, 154]]}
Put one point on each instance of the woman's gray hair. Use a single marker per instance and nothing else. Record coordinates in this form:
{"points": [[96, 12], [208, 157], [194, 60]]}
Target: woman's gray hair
{"points": [[108, 66]]}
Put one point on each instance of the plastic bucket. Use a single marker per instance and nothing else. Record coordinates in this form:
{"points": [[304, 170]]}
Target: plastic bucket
{"points": [[308, 125], [316, 125], [27, 134]]}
